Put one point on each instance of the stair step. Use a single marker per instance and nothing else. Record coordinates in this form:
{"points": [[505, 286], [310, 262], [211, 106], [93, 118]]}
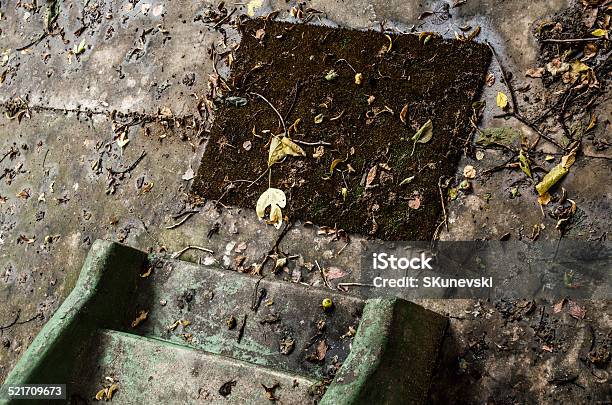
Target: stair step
{"points": [[158, 372], [247, 318]]}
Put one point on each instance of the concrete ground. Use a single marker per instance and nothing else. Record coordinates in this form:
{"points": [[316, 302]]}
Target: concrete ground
{"points": [[139, 70]]}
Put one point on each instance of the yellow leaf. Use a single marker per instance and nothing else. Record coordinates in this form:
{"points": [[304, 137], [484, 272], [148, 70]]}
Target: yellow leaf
{"points": [[358, 78], [524, 163], [281, 147], [551, 178], [100, 395], [599, 32], [502, 100], [334, 163], [111, 391]]}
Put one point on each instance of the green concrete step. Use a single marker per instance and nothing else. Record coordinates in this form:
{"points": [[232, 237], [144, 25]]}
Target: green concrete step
{"points": [[150, 371], [205, 327], [266, 322]]}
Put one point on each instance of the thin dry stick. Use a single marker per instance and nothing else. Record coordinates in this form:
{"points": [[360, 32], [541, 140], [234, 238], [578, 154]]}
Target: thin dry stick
{"points": [[178, 254], [569, 40], [442, 201], [274, 108], [182, 221], [342, 286]]}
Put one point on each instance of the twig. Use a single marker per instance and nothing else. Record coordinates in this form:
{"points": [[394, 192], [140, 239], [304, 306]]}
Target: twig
{"points": [[182, 221], [12, 323], [311, 143], [442, 201], [515, 108], [349, 65], [341, 286], [178, 254], [274, 108], [325, 281], [295, 94], [132, 166], [505, 79], [35, 42], [241, 331], [224, 18], [571, 40]]}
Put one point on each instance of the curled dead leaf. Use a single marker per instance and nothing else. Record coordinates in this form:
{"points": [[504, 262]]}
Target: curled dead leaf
{"points": [[275, 199]]}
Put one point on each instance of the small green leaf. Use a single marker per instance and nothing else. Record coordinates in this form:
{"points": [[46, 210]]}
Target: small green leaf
{"points": [[524, 163], [423, 135]]}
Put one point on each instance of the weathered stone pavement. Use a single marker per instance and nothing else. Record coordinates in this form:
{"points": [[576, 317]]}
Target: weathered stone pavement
{"points": [[141, 57]]}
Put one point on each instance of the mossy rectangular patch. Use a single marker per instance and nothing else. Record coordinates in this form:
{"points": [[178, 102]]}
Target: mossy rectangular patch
{"points": [[360, 97]]}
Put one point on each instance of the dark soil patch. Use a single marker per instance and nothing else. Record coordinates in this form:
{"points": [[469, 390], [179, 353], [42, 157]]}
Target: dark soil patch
{"points": [[438, 80]]}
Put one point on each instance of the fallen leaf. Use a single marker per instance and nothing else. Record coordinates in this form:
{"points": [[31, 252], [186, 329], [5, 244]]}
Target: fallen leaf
{"points": [[423, 135], [403, 114], [371, 175], [334, 273], [556, 67], [321, 350], [501, 100], [318, 119], [534, 72], [142, 316], [552, 177], [590, 51], [275, 199], [558, 307], [490, 80], [599, 32], [319, 151], [236, 101], [469, 172], [415, 202], [246, 145], [331, 75], [358, 78], [576, 311], [77, 50], [502, 135], [524, 163], [281, 147], [335, 163], [407, 180], [189, 174], [226, 388], [544, 199], [260, 33]]}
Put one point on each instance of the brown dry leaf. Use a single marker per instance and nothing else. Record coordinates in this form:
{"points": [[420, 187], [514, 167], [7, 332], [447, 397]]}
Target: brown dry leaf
{"points": [[142, 316], [24, 194], [371, 175], [259, 34], [147, 273], [534, 72], [590, 51], [469, 172], [321, 350], [576, 311], [403, 114], [334, 273], [558, 307], [319, 151], [544, 199], [415, 202], [490, 80]]}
